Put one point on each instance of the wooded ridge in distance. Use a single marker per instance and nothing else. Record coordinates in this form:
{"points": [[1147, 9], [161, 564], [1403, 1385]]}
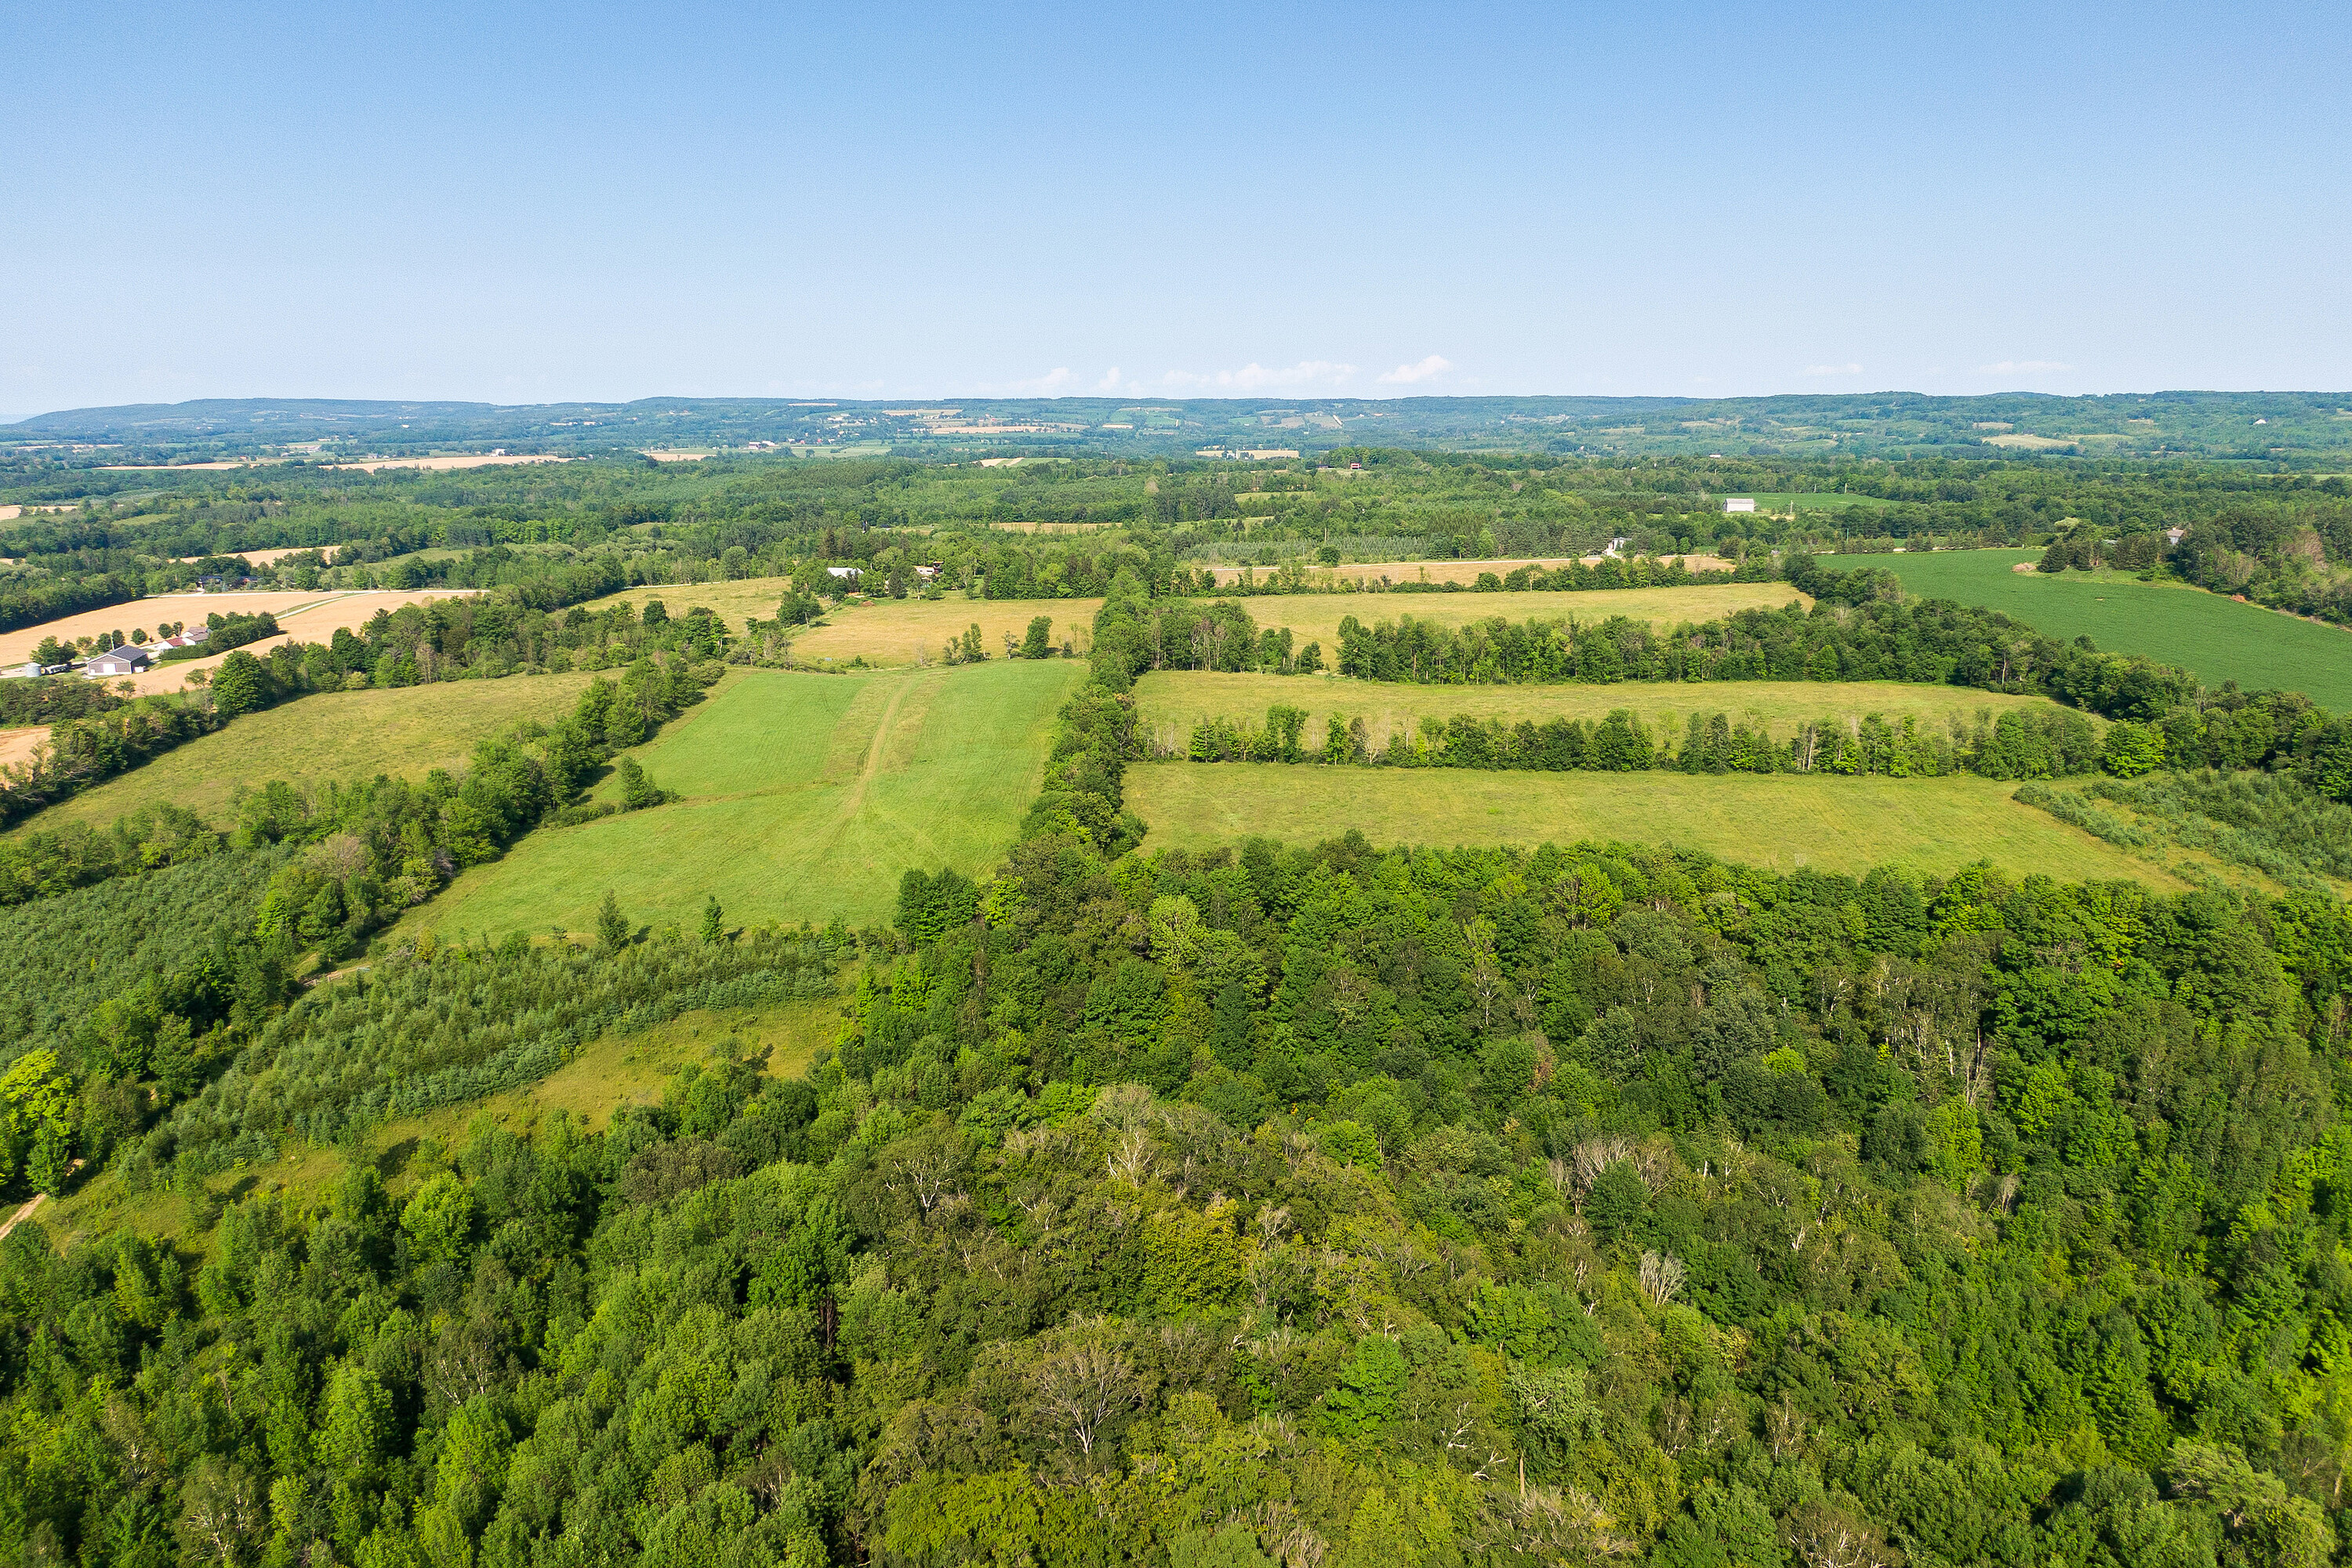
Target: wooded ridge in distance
{"points": [[1892, 424]]}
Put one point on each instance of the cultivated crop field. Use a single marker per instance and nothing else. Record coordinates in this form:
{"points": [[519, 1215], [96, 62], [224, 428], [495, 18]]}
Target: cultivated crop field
{"points": [[405, 732], [2218, 639], [1843, 825], [805, 796], [1171, 702]]}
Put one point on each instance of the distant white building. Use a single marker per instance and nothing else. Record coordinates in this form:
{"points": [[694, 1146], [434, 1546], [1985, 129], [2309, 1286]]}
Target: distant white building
{"points": [[1739, 503], [852, 572]]}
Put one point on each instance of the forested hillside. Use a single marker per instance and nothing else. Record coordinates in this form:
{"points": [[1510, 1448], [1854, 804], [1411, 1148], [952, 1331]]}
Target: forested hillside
{"points": [[1318, 1207]]}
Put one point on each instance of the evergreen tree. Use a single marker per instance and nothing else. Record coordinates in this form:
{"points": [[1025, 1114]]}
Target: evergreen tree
{"points": [[612, 927]]}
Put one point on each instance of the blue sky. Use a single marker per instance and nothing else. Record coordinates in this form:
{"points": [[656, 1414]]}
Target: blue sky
{"points": [[524, 204]]}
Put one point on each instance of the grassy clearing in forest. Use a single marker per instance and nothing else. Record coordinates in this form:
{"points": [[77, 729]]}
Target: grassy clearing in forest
{"points": [[405, 732], [805, 796], [1170, 703], [1779, 823], [2216, 636]]}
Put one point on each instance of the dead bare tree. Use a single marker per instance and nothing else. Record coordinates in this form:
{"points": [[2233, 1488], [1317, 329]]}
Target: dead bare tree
{"points": [[1082, 1388]]}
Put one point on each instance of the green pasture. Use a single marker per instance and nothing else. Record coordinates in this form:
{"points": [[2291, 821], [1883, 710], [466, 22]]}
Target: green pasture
{"points": [[805, 796], [1780, 822], [1170, 703], [405, 732], [2217, 638]]}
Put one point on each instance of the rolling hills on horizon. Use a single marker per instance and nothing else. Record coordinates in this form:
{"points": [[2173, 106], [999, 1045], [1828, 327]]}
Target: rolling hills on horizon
{"points": [[2244, 426]]}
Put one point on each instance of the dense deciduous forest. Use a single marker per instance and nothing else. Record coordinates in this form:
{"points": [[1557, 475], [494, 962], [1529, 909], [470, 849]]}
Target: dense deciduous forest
{"points": [[1310, 1205]]}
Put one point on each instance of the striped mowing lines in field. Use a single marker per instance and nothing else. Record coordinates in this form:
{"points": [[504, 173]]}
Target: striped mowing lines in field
{"points": [[804, 796]]}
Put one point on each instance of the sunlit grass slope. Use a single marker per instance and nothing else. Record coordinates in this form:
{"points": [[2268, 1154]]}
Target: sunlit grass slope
{"points": [[805, 796]]}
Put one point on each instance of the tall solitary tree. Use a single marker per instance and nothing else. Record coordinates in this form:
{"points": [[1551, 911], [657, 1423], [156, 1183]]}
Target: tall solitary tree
{"points": [[612, 927]]}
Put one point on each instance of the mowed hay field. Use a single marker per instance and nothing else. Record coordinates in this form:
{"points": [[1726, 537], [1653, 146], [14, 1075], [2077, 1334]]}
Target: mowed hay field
{"points": [[1170, 703], [805, 796], [1779, 823], [2216, 636], [405, 732]]}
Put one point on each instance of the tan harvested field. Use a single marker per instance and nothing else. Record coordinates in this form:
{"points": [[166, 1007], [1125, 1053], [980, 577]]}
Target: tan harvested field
{"points": [[669, 456], [455, 460], [302, 616], [1782, 823], [1464, 572], [1171, 702], [1054, 527], [18, 745]]}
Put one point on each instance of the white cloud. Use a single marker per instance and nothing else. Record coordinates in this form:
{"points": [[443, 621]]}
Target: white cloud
{"points": [[1109, 383], [2023, 367], [1420, 370], [1253, 377], [1834, 370]]}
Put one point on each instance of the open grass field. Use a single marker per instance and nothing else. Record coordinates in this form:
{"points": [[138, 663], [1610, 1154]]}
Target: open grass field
{"points": [[2218, 639], [805, 796], [405, 732], [1779, 823], [1171, 702]]}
